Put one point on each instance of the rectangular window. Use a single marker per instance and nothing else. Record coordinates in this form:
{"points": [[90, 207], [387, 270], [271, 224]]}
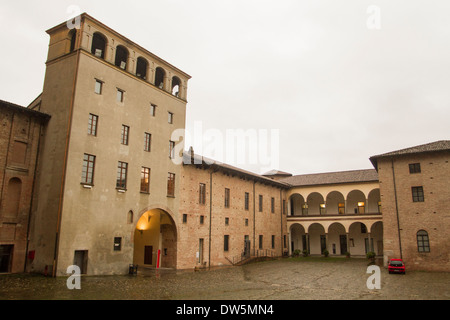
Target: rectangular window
{"points": [[273, 242], [120, 94], [227, 198], [117, 243], [124, 135], [202, 193], [87, 174], [341, 207], [272, 205], [414, 168], [170, 117], [361, 207], [246, 222], [147, 142], [260, 203], [323, 208], [171, 150], [417, 194], [226, 239], [92, 124], [145, 180], [184, 218], [171, 185], [202, 219], [98, 86], [227, 221], [247, 196], [260, 241], [122, 169], [153, 110]]}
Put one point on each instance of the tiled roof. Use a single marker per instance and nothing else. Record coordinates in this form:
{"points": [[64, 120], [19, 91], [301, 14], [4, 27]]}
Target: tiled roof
{"points": [[204, 162], [17, 108], [442, 145], [277, 173], [354, 176]]}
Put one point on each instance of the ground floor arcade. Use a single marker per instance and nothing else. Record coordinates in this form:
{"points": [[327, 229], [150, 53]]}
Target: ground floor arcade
{"points": [[342, 235]]}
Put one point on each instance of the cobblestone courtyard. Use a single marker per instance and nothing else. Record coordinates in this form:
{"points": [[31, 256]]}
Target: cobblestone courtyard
{"points": [[286, 279]]}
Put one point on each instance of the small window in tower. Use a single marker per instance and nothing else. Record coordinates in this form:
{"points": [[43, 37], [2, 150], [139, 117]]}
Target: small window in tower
{"points": [[125, 135], [98, 86], [176, 82], [141, 69], [120, 94], [117, 243], [98, 45], [73, 39], [121, 57], [159, 77], [153, 110]]}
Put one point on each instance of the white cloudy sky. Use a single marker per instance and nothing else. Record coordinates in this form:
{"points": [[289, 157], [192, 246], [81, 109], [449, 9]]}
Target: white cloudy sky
{"points": [[337, 91]]}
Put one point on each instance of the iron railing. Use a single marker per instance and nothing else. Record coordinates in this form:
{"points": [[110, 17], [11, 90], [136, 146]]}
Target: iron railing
{"points": [[252, 253]]}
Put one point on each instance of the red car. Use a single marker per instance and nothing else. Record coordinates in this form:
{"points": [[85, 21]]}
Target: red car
{"points": [[396, 266]]}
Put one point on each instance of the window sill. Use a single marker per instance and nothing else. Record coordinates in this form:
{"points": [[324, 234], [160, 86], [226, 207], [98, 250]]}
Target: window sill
{"points": [[121, 190], [170, 196], [87, 185], [144, 192]]}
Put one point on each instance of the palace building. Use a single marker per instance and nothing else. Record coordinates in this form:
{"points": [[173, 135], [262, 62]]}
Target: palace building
{"points": [[89, 178]]}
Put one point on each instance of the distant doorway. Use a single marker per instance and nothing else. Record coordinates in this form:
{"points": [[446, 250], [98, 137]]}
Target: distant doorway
{"points": [[148, 255], [80, 259], [343, 244], [6, 252]]}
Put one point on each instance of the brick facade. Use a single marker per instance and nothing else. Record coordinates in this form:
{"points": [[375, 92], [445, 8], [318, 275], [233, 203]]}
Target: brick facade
{"points": [[405, 218], [20, 131], [216, 218]]}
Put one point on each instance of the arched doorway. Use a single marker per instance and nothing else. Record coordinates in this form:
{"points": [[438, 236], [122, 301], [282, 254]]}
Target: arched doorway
{"points": [[155, 240], [359, 239], [317, 239], [337, 237], [298, 238]]}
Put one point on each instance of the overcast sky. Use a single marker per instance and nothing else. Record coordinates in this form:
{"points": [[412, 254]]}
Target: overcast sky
{"points": [[339, 81]]}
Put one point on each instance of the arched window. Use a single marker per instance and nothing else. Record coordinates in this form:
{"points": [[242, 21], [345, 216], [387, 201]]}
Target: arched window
{"points": [[176, 82], [423, 243], [14, 192], [121, 57], [159, 77], [141, 69], [130, 217], [73, 39], [98, 45]]}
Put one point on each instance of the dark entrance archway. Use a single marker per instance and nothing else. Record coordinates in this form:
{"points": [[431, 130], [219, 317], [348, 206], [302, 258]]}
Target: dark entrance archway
{"points": [[155, 240]]}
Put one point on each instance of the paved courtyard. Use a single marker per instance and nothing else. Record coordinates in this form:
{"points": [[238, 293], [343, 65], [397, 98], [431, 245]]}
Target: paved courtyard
{"points": [[287, 279]]}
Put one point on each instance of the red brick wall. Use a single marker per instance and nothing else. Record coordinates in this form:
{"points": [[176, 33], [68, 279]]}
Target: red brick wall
{"points": [[19, 140], [259, 223], [431, 215]]}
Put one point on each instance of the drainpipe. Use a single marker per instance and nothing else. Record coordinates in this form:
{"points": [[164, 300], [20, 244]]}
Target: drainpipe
{"points": [[210, 215], [32, 195], [396, 209], [254, 220]]}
